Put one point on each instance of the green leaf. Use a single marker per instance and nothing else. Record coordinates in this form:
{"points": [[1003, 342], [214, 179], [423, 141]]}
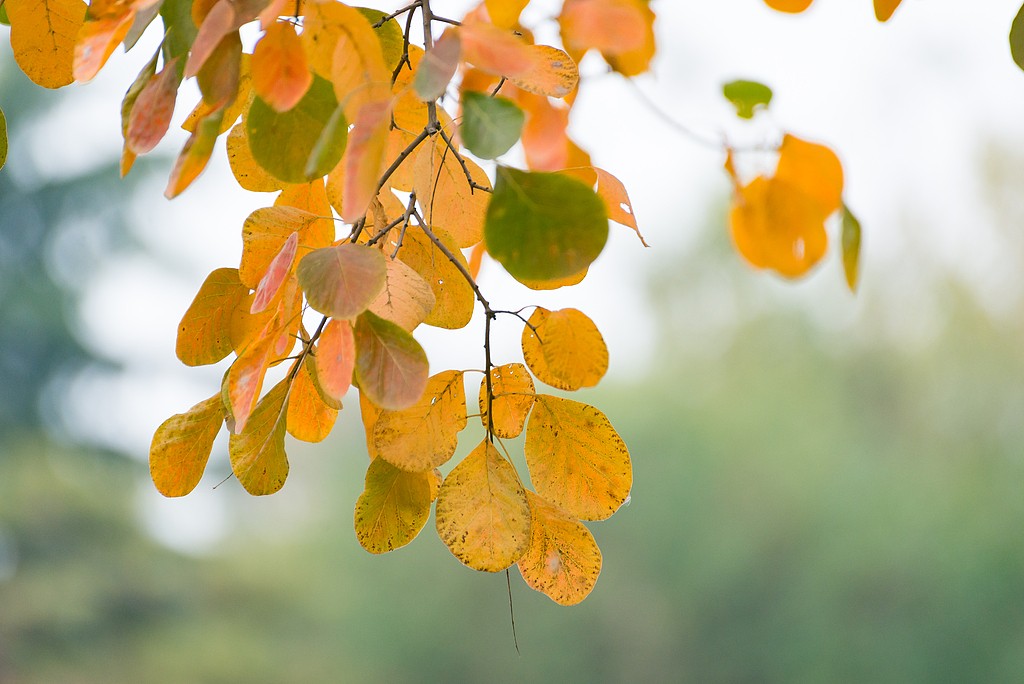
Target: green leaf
{"points": [[3, 16], [3, 139], [851, 248], [490, 125], [284, 143], [544, 226], [389, 34], [747, 97], [391, 366], [179, 31], [1017, 38], [342, 281]]}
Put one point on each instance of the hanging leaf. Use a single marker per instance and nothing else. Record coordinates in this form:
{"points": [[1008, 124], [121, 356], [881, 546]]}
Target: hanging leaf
{"points": [[365, 159], [393, 508], [194, 157], [391, 367], [454, 301], [309, 418], [341, 281], [204, 334], [490, 125], [250, 175], [336, 358], [425, 435], [563, 560], [43, 34], [544, 226], [265, 232], [539, 69], [181, 447], [813, 169], [851, 248], [513, 393], [792, 6], [747, 97], [221, 74], [1017, 38], [280, 268], [482, 513], [505, 13], [244, 379], [280, 71], [406, 299], [885, 8], [564, 349], [283, 142], [152, 110], [449, 202], [576, 459], [97, 40], [622, 30], [257, 453]]}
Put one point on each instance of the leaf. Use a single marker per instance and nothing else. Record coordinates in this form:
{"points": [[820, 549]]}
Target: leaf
{"points": [[393, 508], [391, 367], [851, 248], [622, 30], [792, 6], [311, 197], [195, 155], [544, 226], [454, 301], [309, 418], [505, 13], [482, 513], [436, 69], [613, 193], [220, 75], [576, 459], [540, 69], [257, 453], [425, 435], [265, 232], [490, 125], [563, 560], [280, 268], [244, 168], [449, 202], [747, 97], [544, 136], [336, 358], [244, 379], [406, 299], [564, 349], [43, 35], [341, 281], [97, 40], [283, 142], [152, 110], [365, 159], [280, 71], [1017, 38], [181, 447], [3, 139], [814, 169], [885, 8], [513, 391], [369, 413], [204, 334]]}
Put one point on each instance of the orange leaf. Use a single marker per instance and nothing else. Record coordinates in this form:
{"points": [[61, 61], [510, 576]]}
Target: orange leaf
{"points": [[544, 137], [266, 230], [792, 6], [365, 158], [482, 512], [244, 379], [564, 349], [540, 69], [406, 299], [391, 367], [204, 334], [151, 113], [454, 301], [43, 34], [341, 281], [393, 508], [195, 155], [181, 447], [97, 40], [270, 285], [280, 72], [576, 458], [336, 358], [308, 418], [563, 560], [505, 13], [257, 453], [426, 434], [513, 392], [449, 202], [814, 169], [622, 30], [885, 8]]}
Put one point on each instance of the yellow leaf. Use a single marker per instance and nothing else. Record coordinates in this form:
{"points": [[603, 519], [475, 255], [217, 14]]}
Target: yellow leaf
{"points": [[365, 157], [482, 513], [567, 281], [43, 35], [369, 413], [449, 202], [266, 230], [426, 434], [505, 13], [246, 171], [576, 458], [563, 560], [564, 349], [257, 453], [814, 169], [311, 197], [204, 334], [540, 69], [792, 6], [309, 418], [512, 389], [454, 301], [393, 508], [885, 8], [181, 447], [407, 299]]}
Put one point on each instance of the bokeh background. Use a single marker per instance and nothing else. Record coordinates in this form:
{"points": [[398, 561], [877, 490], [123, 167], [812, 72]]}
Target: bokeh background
{"points": [[828, 487]]}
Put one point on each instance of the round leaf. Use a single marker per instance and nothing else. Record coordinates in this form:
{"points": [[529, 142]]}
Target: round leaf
{"points": [[490, 125], [391, 366], [564, 349], [343, 280]]}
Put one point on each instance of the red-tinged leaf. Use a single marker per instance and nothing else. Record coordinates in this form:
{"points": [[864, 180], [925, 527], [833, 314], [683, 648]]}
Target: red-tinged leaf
{"points": [[545, 140], [279, 269], [406, 299], [97, 40], [181, 447], [204, 334], [341, 281], [310, 419], [611, 190], [391, 367], [152, 110], [226, 16], [245, 377], [393, 508], [610, 26], [365, 159], [482, 513], [563, 560], [494, 50], [437, 67], [43, 34], [265, 232], [257, 453], [280, 71], [336, 358], [194, 157], [221, 74]]}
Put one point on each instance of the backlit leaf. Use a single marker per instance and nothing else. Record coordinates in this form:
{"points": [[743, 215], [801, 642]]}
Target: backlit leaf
{"points": [[563, 560], [393, 508], [747, 97], [195, 155], [308, 417], [540, 69], [43, 35], [369, 413], [490, 125], [391, 367], [265, 232], [576, 459], [613, 193], [365, 158], [181, 447], [311, 197], [544, 226], [245, 376], [246, 171], [851, 248], [564, 349], [449, 202], [97, 40], [622, 30], [436, 69], [505, 13], [885, 8], [279, 269], [280, 72], [406, 299], [513, 391], [814, 169], [257, 453], [482, 512], [793, 6], [152, 110], [283, 142], [204, 334], [425, 435], [336, 358], [454, 302], [341, 281]]}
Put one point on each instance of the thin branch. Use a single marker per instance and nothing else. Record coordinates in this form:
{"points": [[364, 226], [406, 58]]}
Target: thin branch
{"points": [[679, 127], [408, 8], [473, 185]]}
